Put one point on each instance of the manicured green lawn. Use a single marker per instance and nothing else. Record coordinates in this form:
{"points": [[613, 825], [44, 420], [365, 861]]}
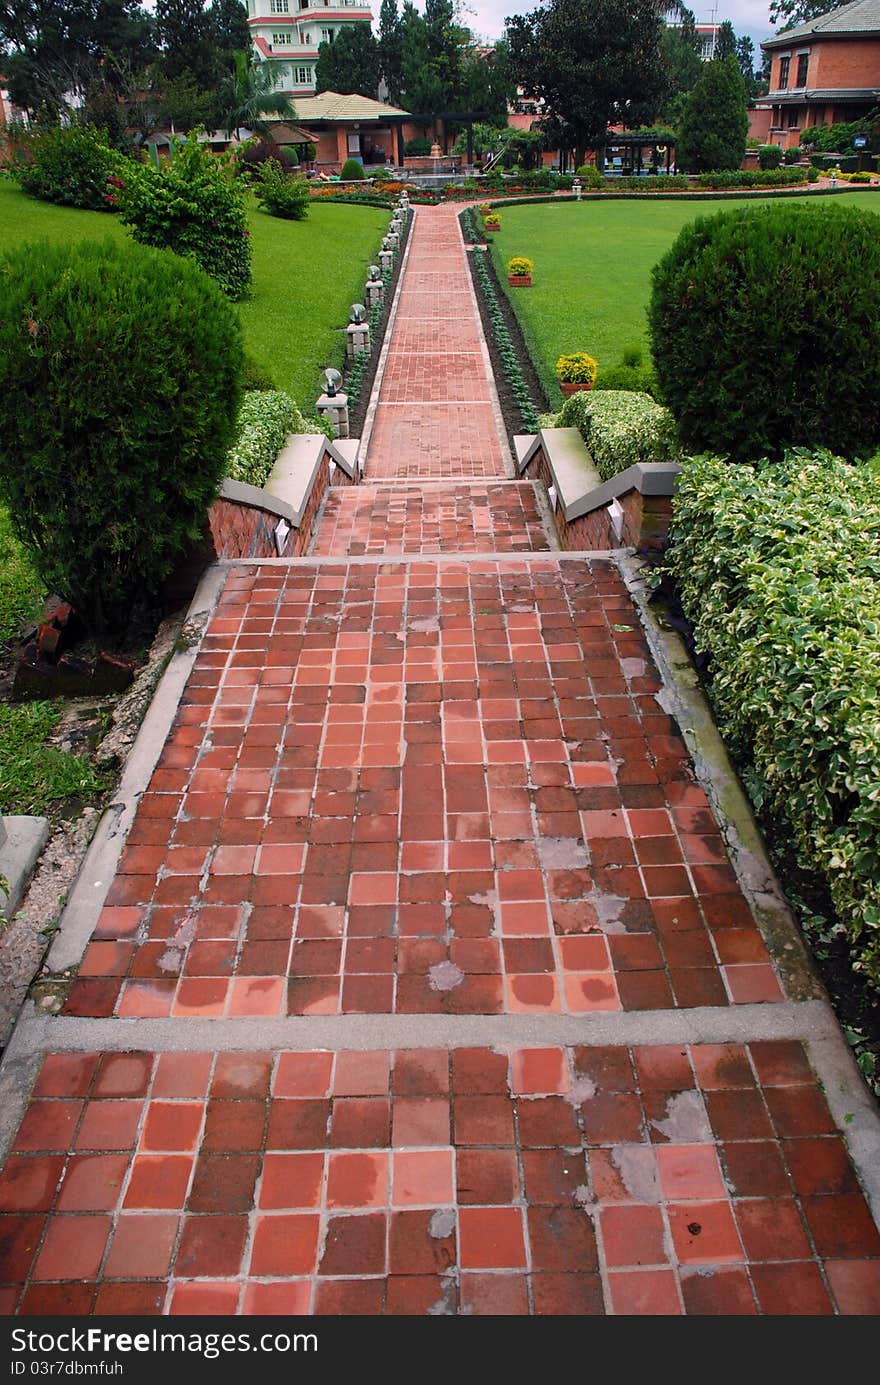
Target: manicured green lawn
{"points": [[306, 276], [592, 276], [21, 590]]}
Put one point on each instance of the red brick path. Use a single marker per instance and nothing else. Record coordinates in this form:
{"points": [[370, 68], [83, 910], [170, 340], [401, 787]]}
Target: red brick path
{"points": [[437, 789], [435, 416], [431, 518]]}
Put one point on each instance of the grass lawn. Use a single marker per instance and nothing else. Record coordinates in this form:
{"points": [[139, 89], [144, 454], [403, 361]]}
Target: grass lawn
{"points": [[21, 590], [592, 277], [306, 276]]}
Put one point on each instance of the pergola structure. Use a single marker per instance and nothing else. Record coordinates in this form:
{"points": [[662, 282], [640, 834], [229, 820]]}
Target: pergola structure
{"points": [[634, 145]]}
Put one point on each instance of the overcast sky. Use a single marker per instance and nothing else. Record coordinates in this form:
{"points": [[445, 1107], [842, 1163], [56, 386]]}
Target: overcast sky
{"points": [[486, 17]]}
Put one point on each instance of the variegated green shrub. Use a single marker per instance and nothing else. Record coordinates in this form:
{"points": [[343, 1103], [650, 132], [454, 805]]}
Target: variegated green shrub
{"points": [[778, 568], [621, 428], [265, 419]]}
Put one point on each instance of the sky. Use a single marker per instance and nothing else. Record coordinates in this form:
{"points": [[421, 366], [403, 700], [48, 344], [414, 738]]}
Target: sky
{"points": [[486, 17]]}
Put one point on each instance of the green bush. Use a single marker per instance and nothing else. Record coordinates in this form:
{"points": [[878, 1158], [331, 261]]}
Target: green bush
{"points": [[119, 385], [264, 421], [621, 428], [191, 205], [640, 378], [591, 177], [352, 169], [791, 156], [714, 120], [280, 194], [769, 156], [417, 148], [765, 330], [777, 569], [752, 178], [70, 165], [254, 375], [812, 175], [251, 157]]}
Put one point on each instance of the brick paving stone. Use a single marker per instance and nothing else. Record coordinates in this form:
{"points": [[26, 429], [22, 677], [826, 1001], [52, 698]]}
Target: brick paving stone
{"points": [[434, 416], [481, 1223], [378, 520], [428, 787], [433, 793]]}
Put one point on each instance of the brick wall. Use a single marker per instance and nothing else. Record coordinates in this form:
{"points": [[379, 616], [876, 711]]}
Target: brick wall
{"points": [[646, 518], [844, 63]]}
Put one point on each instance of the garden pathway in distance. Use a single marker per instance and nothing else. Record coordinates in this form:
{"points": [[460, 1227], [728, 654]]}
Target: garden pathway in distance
{"points": [[423, 982]]}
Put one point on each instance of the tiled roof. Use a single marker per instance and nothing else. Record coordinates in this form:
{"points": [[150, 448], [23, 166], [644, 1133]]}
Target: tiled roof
{"points": [[330, 105], [861, 17]]}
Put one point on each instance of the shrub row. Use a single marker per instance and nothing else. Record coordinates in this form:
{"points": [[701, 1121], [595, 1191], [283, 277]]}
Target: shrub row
{"points": [[753, 178], [621, 428], [504, 345], [265, 419], [777, 567]]}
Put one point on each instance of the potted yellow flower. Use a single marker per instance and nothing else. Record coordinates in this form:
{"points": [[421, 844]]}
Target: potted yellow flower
{"points": [[519, 271], [576, 372], [492, 221]]}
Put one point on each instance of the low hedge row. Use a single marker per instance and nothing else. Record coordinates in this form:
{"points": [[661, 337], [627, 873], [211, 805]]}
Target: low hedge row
{"points": [[753, 178], [621, 428], [777, 567], [264, 420]]}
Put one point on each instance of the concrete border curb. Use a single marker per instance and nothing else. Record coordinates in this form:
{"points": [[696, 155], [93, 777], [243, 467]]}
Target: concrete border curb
{"points": [[96, 873]]}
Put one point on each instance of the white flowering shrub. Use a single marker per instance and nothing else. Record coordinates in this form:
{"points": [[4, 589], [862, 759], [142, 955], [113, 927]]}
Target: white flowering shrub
{"points": [[621, 428], [778, 570], [265, 419]]}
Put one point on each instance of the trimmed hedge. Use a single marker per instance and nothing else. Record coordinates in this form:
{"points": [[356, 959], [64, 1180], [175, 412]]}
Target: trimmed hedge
{"points": [[120, 372], [777, 566], [621, 428], [765, 330]]}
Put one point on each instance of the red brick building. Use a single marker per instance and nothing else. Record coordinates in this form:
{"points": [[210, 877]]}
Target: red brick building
{"points": [[824, 71]]}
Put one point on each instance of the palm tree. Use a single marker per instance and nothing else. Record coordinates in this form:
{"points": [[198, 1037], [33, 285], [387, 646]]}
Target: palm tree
{"points": [[248, 95]]}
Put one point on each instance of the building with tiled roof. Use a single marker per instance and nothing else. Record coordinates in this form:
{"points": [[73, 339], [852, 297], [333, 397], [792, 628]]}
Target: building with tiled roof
{"points": [[824, 71], [288, 33]]}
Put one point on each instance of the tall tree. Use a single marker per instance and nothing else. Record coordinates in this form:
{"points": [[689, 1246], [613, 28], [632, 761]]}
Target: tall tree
{"points": [[445, 40], [725, 42], [487, 82], [187, 41], [788, 13], [55, 51], [391, 50], [682, 64], [745, 56], [587, 59], [248, 96], [229, 32], [350, 63], [715, 123]]}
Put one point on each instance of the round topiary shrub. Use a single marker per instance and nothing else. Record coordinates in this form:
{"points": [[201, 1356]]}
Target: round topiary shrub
{"points": [[765, 331], [352, 169], [120, 372]]}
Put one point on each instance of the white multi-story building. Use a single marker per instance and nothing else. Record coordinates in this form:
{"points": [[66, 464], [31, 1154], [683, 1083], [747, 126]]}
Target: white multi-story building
{"points": [[287, 34]]}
